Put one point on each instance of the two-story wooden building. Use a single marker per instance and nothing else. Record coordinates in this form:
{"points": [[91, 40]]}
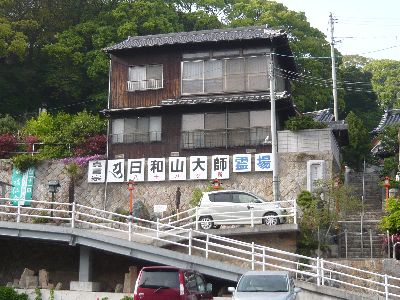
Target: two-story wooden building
{"points": [[203, 92]]}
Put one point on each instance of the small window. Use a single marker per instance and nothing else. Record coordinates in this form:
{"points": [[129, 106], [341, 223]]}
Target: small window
{"points": [[222, 197], [136, 130], [148, 77]]}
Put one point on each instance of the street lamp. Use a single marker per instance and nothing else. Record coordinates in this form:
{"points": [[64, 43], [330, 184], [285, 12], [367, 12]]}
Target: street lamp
{"points": [[386, 183], [131, 187], [53, 188]]}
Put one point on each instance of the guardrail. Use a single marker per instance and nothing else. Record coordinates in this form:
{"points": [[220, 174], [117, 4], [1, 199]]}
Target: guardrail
{"points": [[285, 211], [211, 246]]}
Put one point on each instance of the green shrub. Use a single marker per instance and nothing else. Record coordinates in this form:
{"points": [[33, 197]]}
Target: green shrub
{"points": [[40, 220], [25, 161], [303, 122], [127, 298], [8, 293], [391, 221], [120, 211], [38, 294]]}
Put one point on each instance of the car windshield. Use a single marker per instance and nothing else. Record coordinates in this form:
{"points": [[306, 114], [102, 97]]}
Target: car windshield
{"points": [[263, 283], [159, 279]]}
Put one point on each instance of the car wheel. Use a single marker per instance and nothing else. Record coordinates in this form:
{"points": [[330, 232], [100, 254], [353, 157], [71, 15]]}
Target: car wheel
{"points": [[206, 222], [270, 219]]}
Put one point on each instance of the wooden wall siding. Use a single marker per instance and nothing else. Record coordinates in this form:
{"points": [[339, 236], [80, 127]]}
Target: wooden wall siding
{"points": [[120, 98]]}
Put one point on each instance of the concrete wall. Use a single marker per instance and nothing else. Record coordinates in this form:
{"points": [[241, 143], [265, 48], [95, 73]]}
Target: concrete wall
{"points": [[293, 179]]}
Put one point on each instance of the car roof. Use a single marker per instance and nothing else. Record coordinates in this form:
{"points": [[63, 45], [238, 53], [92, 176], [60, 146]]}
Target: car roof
{"points": [[163, 267], [285, 273], [227, 191]]}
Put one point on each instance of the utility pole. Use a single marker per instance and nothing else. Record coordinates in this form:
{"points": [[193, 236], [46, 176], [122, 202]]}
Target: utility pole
{"points": [[275, 167], [334, 84]]}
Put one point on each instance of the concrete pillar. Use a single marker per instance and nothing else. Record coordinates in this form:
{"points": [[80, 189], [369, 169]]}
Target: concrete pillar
{"points": [[85, 264]]}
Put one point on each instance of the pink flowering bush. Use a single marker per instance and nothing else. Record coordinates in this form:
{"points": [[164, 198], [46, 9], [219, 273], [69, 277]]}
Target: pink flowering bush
{"points": [[92, 145], [8, 143], [81, 160], [30, 140]]}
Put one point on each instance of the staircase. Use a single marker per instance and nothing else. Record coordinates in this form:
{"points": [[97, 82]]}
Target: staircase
{"points": [[363, 240]]}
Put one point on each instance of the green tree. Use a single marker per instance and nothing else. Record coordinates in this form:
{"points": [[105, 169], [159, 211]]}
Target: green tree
{"points": [[13, 43], [385, 81], [391, 221], [62, 132], [358, 92], [8, 125], [321, 211], [359, 142]]}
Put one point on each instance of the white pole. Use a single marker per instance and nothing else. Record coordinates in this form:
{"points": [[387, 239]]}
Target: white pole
{"points": [[275, 175], [334, 84]]}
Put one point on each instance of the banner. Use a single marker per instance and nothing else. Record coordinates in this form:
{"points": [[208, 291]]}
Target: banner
{"points": [[22, 186]]}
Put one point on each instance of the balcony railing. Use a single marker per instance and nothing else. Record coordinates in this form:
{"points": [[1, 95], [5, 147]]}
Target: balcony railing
{"points": [[150, 84], [231, 137], [136, 137]]}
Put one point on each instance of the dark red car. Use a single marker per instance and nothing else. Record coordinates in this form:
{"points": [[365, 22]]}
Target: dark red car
{"points": [[171, 283]]}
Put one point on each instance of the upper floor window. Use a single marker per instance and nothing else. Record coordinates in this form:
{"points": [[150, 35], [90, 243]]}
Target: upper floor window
{"points": [[136, 130], [218, 75], [225, 129], [147, 77]]}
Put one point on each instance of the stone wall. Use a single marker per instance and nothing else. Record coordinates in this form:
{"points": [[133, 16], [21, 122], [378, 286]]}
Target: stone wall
{"points": [[293, 179]]}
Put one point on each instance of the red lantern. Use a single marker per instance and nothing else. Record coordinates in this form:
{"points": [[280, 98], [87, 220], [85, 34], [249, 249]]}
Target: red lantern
{"points": [[216, 184], [387, 185]]}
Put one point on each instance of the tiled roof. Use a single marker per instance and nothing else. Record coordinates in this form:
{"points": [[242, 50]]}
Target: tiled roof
{"points": [[323, 115], [215, 35], [389, 118], [226, 98]]}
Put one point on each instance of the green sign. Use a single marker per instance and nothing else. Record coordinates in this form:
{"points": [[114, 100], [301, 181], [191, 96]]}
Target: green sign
{"points": [[22, 186]]}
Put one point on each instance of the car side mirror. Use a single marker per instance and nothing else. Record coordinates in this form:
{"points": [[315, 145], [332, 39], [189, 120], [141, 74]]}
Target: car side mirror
{"points": [[297, 290], [231, 289], [209, 287], [258, 201]]}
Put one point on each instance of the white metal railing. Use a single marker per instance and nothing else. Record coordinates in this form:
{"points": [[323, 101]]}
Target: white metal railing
{"points": [[211, 246], [253, 214]]}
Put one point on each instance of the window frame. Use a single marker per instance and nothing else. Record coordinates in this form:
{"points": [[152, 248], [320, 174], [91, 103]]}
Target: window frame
{"points": [[245, 54], [158, 86], [138, 136]]}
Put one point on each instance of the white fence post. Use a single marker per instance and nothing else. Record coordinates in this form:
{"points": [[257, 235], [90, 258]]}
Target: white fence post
{"points": [[130, 228], [388, 242], [190, 241], [386, 287], [73, 215], [158, 227], [294, 212], [197, 218], [252, 216], [321, 264], [207, 241], [263, 259], [18, 212], [252, 256], [318, 273]]}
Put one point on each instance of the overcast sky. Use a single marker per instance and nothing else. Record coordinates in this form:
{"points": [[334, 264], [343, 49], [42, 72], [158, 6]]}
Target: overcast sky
{"points": [[365, 27]]}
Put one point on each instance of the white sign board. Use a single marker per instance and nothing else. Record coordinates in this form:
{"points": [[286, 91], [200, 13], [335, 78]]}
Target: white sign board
{"points": [[160, 208]]}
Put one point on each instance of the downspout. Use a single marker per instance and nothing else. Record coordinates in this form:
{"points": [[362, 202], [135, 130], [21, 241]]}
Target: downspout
{"points": [[108, 133]]}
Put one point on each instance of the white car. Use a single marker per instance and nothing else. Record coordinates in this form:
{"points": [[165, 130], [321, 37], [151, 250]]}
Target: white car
{"points": [[260, 285], [227, 207]]}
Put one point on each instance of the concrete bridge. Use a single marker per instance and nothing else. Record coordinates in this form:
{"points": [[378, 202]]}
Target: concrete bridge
{"points": [[221, 258]]}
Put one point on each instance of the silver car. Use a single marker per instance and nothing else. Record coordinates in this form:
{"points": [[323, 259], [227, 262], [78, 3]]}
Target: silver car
{"points": [[237, 207], [272, 285]]}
